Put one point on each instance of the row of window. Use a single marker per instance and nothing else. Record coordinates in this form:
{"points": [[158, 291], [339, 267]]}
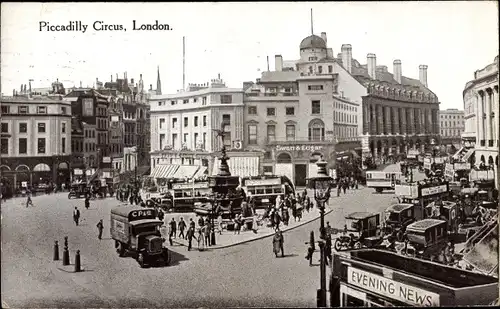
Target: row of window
{"points": [[196, 140], [347, 107], [289, 111], [452, 116], [343, 117], [320, 67], [23, 127], [450, 132], [224, 99], [315, 133], [449, 123], [24, 109], [186, 122], [89, 133], [23, 145]]}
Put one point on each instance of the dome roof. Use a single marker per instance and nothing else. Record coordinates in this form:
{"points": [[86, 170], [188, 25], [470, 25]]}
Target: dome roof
{"points": [[312, 41]]}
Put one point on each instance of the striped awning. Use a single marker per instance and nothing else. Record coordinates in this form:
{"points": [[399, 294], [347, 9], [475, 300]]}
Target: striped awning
{"points": [[164, 170], [468, 154], [186, 171], [240, 166], [200, 172]]}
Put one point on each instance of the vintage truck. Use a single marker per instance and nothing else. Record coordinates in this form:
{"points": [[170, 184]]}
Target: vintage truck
{"points": [[136, 231]]}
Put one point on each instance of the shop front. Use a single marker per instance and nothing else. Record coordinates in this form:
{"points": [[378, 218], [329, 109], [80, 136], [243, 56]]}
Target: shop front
{"points": [[298, 161], [376, 278]]}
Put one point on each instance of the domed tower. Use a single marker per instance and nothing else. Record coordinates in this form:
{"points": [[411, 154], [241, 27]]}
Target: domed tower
{"points": [[312, 48]]}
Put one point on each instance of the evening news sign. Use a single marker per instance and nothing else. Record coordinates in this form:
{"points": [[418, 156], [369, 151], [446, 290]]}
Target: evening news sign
{"points": [[299, 148], [434, 190], [394, 290], [141, 214]]}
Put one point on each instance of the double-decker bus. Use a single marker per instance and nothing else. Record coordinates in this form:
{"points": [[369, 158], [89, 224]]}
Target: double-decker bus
{"points": [[422, 194], [265, 189], [382, 180]]}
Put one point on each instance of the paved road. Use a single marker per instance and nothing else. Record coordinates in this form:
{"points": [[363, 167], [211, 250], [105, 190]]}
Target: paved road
{"points": [[245, 275]]}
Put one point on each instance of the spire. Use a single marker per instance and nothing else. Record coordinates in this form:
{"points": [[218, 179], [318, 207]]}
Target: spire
{"points": [[158, 82], [312, 26]]}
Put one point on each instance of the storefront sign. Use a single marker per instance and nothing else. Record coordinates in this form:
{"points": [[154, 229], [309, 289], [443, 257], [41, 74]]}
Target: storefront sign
{"points": [[141, 214], [106, 159], [262, 182], [461, 166], [77, 172], [196, 185], [299, 148], [406, 191], [434, 190], [393, 289]]}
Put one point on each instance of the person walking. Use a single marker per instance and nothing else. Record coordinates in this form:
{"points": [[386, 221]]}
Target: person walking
{"points": [[201, 222], [219, 223], [173, 230], [100, 227], [87, 202], [161, 214], [182, 226], [76, 215], [201, 238], [237, 226], [191, 223], [28, 199], [208, 230], [190, 236]]}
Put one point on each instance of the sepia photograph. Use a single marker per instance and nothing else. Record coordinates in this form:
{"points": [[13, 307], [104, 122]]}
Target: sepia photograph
{"points": [[249, 154]]}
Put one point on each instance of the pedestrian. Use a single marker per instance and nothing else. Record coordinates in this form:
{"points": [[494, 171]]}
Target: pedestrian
{"points": [[161, 214], [339, 187], [87, 202], [173, 230], [208, 230], [237, 227], [190, 236], [328, 230], [304, 194], [76, 215], [28, 199], [201, 222], [356, 183], [201, 238], [344, 186], [299, 211], [328, 250], [192, 224], [309, 256], [219, 223], [100, 227], [182, 226]]}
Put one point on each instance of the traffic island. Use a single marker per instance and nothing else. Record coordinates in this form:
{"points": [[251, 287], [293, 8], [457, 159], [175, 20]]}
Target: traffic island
{"points": [[230, 239]]}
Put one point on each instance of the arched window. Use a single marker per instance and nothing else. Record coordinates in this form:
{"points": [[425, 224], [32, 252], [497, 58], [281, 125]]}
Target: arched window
{"points": [[316, 130], [490, 161], [483, 159], [284, 158]]}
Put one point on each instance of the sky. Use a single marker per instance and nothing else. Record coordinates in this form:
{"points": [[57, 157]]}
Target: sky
{"points": [[233, 39]]}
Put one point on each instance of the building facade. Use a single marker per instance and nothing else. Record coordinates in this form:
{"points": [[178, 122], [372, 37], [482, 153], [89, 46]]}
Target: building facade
{"points": [[481, 115], [303, 110], [183, 126], [452, 125], [35, 140]]}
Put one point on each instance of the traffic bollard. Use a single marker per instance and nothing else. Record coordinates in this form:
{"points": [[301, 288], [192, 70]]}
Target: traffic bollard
{"points": [[56, 251], [77, 262], [66, 256]]}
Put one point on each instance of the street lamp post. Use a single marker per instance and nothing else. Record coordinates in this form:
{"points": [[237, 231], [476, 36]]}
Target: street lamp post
{"points": [[321, 184], [223, 186]]}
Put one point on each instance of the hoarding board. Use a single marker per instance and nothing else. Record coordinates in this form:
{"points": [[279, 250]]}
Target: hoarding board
{"points": [[406, 191], [460, 166], [392, 289], [263, 182], [190, 185], [434, 190]]}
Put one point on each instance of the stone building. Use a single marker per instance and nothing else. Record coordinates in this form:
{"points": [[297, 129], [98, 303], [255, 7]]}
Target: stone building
{"points": [[481, 115], [452, 126], [35, 139]]}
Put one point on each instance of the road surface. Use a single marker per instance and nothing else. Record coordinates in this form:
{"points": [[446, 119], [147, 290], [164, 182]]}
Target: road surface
{"points": [[244, 275]]}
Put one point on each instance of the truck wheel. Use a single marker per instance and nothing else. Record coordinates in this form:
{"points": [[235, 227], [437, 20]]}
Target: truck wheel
{"points": [[120, 249], [69, 196], [399, 236], [141, 259], [357, 245]]}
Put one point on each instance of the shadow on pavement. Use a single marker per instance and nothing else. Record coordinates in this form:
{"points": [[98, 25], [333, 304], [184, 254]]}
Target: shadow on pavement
{"points": [[384, 192], [176, 258]]}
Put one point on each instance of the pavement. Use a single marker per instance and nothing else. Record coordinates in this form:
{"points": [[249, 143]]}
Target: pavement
{"points": [[229, 238], [246, 275]]}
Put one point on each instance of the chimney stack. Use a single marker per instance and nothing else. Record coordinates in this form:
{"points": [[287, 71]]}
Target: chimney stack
{"points": [[423, 74], [371, 64], [111, 77], [132, 81], [151, 87], [347, 57], [278, 63], [329, 53], [397, 72], [323, 36], [140, 76]]}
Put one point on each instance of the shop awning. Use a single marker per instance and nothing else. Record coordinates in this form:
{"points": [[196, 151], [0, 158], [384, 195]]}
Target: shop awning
{"points": [[240, 166], [457, 154], [185, 171], [200, 172], [468, 154], [164, 170]]}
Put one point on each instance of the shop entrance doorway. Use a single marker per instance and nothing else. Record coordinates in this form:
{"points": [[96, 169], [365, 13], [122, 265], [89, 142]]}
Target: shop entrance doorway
{"points": [[300, 175]]}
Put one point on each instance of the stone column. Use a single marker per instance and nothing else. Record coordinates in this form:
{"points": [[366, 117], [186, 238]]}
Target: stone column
{"points": [[477, 107], [422, 121], [373, 120], [366, 119], [388, 122], [380, 119], [496, 124], [487, 105], [411, 121], [396, 122], [402, 118], [375, 151], [435, 122], [429, 122]]}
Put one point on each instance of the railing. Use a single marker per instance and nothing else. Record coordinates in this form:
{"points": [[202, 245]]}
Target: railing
{"points": [[271, 94]]}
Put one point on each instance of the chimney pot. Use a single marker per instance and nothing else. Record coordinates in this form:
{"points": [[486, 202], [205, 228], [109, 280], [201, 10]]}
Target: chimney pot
{"points": [[423, 74], [323, 36], [278, 63], [218, 76], [347, 57], [397, 70], [372, 65]]}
